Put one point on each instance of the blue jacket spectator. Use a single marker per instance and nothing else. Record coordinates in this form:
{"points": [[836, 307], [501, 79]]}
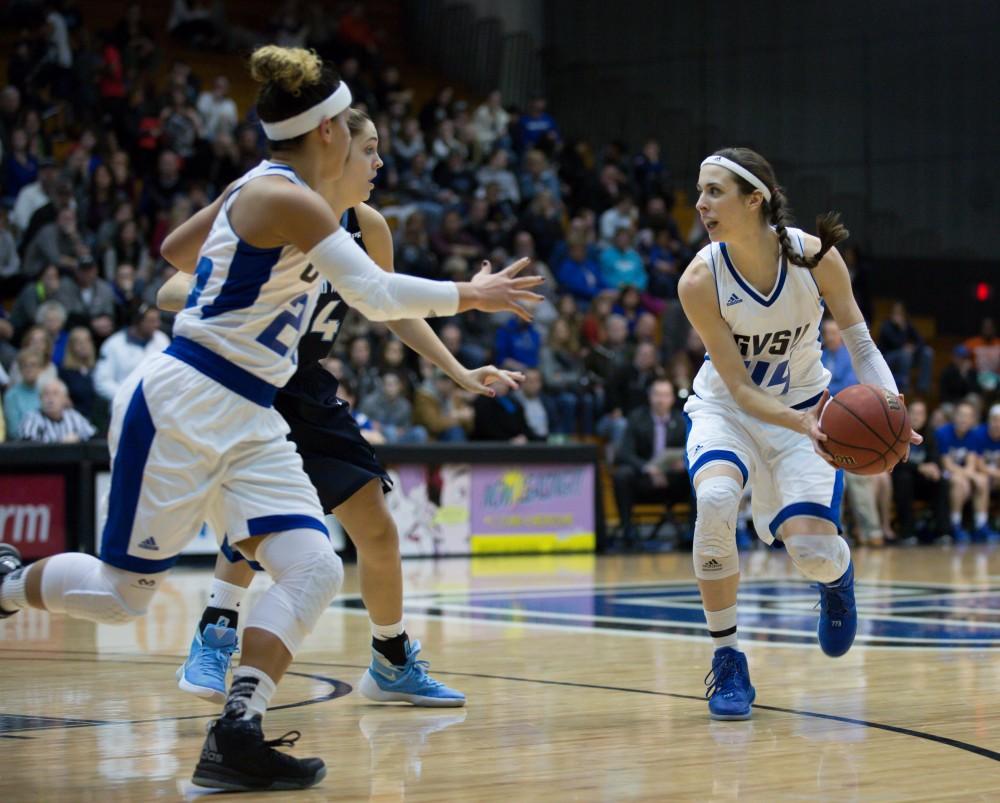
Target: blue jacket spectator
{"points": [[836, 358], [518, 345], [580, 275], [621, 263], [537, 125]]}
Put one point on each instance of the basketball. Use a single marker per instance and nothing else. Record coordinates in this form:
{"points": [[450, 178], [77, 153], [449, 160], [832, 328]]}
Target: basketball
{"points": [[868, 429]]}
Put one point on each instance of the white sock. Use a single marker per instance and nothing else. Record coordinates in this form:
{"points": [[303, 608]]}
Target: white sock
{"points": [[980, 520], [225, 595], [386, 632], [722, 627], [250, 693], [13, 596], [956, 519]]}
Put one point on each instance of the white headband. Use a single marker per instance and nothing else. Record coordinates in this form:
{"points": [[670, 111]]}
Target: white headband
{"points": [[306, 121], [740, 171]]}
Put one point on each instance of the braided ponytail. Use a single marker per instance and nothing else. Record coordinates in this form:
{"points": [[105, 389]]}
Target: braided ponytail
{"points": [[779, 214]]}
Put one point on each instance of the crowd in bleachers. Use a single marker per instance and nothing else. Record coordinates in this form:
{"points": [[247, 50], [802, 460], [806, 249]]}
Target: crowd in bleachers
{"points": [[108, 143]]}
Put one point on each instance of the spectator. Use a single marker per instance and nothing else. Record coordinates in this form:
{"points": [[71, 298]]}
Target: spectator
{"points": [[360, 368], [33, 295], [650, 464], [450, 239], [218, 111], [436, 109], [468, 354], [37, 339], [7, 351], [623, 215], [985, 350], [959, 378], [87, 295], [648, 169], [392, 413], [543, 221], [11, 279], [23, 396], [904, 349], [579, 274], [538, 410], [127, 249], [621, 263], [408, 143], [437, 407], [537, 128], [537, 177], [55, 421], [496, 171], [51, 316], [920, 477], [128, 293], [603, 358], [567, 383], [59, 243], [518, 345], [125, 350], [490, 121], [664, 259], [988, 448], [413, 252], [77, 371], [628, 388], [501, 418], [959, 445], [20, 167], [34, 196], [395, 359]]}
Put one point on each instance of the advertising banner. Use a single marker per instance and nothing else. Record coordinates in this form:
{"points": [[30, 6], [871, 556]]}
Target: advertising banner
{"points": [[33, 513]]}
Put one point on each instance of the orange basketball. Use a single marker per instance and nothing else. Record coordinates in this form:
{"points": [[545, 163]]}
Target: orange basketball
{"points": [[867, 429]]}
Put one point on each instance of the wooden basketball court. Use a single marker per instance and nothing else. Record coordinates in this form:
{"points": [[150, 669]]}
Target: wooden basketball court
{"points": [[585, 682]]}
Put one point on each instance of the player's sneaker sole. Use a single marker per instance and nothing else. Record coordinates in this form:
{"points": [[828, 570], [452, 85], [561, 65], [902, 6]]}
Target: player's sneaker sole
{"points": [[369, 687], [203, 692], [213, 777]]}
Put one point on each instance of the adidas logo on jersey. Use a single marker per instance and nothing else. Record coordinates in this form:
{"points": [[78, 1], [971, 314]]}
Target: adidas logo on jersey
{"points": [[149, 543], [711, 565], [734, 299]]}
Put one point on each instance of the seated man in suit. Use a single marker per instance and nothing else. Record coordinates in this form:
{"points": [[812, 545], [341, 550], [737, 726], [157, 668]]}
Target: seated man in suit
{"points": [[650, 463]]}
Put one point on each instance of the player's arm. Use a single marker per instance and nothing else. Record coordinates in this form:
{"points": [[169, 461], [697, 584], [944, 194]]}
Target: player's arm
{"points": [[700, 301], [181, 247], [281, 212], [834, 283], [173, 293], [416, 332]]}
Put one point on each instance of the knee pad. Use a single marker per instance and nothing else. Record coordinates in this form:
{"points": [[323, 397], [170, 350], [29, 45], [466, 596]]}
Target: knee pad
{"points": [[83, 587], [823, 558], [715, 556], [307, 575]]}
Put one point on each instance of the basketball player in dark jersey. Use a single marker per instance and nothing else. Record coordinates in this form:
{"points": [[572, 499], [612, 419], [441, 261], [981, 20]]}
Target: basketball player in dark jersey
{"points": [[342, 466]]}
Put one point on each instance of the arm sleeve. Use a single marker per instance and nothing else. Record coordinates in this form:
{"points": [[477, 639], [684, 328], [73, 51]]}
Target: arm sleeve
{"points": [[868, 362], [375, 293]]}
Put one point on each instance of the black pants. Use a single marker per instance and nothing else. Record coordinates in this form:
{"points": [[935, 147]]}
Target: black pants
{"points": [[633, 486], [908, 485]]}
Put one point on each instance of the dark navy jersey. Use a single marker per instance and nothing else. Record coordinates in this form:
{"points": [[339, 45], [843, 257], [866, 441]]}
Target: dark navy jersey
{"points": [[312, 382]]}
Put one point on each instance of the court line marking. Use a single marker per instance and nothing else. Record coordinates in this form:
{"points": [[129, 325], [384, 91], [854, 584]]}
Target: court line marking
{"points": [[931, 737]]}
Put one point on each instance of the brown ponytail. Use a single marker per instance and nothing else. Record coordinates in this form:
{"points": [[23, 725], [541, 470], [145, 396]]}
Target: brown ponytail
{"points": [[778, 213]]}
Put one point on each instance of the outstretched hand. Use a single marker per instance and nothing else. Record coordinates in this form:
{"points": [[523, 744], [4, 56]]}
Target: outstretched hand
{"points": [[505, 291], [478, 380]]}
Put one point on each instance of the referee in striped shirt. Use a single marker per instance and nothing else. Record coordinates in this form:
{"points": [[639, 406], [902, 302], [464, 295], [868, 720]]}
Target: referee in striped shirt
{"points": [[56, 421]]}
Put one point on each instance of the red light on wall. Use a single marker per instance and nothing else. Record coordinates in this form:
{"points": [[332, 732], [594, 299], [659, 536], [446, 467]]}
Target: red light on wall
{"points": [[984, 291]]}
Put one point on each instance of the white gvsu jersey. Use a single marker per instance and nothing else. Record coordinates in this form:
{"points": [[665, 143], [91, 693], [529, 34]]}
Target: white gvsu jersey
{"points": [[248, 305], [777, 333]]}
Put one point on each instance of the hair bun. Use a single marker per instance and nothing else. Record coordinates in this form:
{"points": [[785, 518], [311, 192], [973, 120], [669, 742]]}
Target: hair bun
{"points": [[290, 68]]}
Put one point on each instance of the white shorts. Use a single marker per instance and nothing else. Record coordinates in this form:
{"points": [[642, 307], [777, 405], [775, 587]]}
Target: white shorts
{"points": [[787, 478], [186, 449]]}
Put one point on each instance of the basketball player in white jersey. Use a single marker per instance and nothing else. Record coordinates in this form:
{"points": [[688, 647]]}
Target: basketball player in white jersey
{"points": [[339, 462], [756, 295], [194, 437]]}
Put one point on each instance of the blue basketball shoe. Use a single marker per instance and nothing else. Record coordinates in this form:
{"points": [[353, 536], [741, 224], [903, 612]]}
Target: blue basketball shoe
{"points": [[384, 682], [985, 535], [729, 692], [838, 615], [204, 672]]}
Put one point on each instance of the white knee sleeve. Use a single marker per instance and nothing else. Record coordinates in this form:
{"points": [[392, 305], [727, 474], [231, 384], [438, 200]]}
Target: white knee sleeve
{"points": [[823, 558], [715, 555], [83, 587], [307, 575]]}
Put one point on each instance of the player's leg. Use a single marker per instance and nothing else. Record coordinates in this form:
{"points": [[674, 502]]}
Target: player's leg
{"points": [[960, 491], [395, 673], [982, 531], [204, 672], [271, 513], [883, 500]]}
